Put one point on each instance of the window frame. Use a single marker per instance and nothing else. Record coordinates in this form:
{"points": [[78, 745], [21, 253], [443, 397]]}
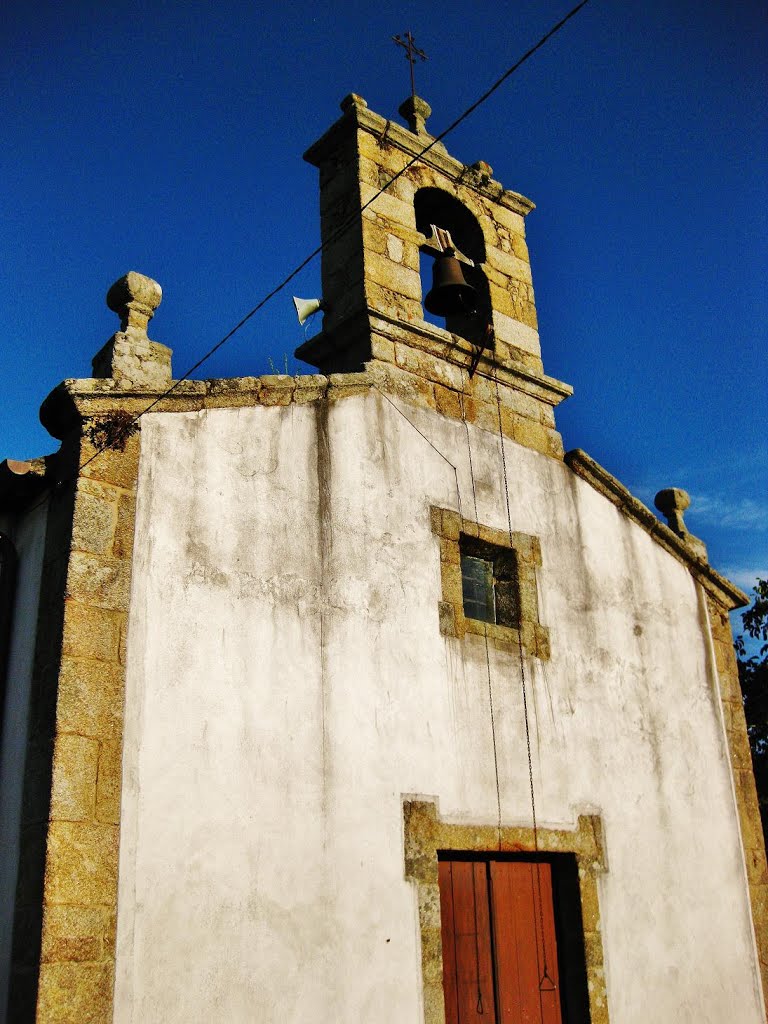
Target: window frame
{"points": [[504, 580], [425, 833], [453, 531]]}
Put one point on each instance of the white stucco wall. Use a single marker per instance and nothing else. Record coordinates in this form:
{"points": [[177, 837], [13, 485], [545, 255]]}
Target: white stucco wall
{"points": [[287, 685], [28, 536]]}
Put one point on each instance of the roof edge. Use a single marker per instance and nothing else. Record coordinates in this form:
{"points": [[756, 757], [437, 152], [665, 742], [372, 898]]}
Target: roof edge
{"points": [[720, 588], [73, 400]]}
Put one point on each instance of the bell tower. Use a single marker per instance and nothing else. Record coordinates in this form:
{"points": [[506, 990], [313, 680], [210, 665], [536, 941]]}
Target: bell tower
{"points": [[428, 284]]}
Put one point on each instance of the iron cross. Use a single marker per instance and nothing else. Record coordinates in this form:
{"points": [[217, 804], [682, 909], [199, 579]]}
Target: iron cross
{"points": [[412, 51]]}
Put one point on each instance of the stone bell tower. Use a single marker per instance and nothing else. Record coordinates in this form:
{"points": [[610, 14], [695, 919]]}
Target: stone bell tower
{"points": [[485, 364]]}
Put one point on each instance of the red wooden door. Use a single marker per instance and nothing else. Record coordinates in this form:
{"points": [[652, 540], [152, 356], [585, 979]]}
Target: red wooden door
{"points": [[466, 931], [527, 982], [498, 931]]}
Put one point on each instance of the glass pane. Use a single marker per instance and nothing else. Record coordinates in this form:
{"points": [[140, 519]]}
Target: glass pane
{"points": [[477, 588]]}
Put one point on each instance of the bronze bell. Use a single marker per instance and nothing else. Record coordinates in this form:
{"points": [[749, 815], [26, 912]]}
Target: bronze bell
{"points": [[450, 293]]}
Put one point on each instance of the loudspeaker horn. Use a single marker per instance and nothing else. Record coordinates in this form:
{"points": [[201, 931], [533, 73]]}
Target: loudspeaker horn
{"points": [[306, 307]]}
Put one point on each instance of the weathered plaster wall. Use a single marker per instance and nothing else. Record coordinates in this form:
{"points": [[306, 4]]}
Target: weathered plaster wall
{"points": [[287, 684], [28, 536]]}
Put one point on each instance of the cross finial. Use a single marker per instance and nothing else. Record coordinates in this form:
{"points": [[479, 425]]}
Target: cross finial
{"points": [[412, 51]]}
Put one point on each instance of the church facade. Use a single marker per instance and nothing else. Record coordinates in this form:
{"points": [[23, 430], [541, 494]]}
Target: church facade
{"points": [[352, 697]]}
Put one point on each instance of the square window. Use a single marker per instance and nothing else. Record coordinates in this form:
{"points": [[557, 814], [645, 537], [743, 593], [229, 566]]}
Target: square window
{"points": [[489, 586], [489, 582]]}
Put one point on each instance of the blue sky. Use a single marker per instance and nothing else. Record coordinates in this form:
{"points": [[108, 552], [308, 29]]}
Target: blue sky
{"points": [[166, 137]]}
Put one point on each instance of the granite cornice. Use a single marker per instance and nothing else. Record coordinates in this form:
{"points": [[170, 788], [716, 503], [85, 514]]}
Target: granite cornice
{"points": [[439, 343], [359, 117], [75, 400], [453, 348], [721, 589]]}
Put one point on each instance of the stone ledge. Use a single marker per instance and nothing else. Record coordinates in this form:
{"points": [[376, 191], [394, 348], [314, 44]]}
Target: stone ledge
{"points": [[521, 372], [725, 592], [452, 347], [74, 400]]}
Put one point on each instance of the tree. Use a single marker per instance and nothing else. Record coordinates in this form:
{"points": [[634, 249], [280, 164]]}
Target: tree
{"points": [[753, 676]]}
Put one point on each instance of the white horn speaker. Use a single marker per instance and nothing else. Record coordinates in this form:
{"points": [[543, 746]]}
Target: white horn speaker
{"points": [[306, 307]]}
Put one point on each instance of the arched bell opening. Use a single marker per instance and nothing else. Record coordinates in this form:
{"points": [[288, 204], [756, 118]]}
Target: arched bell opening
{"points": [[467, 311]]}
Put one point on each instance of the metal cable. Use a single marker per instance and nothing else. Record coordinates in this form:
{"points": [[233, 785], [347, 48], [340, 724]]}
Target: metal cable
{"points": [[431, 445], [545, 975], [485, 625], [349, 221]]}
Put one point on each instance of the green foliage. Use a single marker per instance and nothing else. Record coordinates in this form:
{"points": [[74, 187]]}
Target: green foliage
{"points": [[753, 676]]}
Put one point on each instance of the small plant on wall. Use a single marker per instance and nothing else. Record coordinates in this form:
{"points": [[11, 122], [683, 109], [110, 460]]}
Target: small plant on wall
{"points": [[113, 430]]}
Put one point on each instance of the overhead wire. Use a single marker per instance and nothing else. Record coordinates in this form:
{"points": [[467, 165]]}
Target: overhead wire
{"points": [[526, 716], [349, 221], [433, 446], [462, 397], [318, 250], [330, 239], [344, 226], [351, 218]]}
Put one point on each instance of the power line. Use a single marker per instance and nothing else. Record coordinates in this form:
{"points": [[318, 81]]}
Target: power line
{"points": [[526, 718], [349, 221]]}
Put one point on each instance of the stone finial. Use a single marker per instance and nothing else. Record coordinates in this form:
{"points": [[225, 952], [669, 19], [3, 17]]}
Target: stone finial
{"points": [[672, 503], [129, 357], [134, 298], [415, 110], [352, 100], [479, 173]]}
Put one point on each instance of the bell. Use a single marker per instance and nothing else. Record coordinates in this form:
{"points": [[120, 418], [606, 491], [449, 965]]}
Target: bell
{"points": [[450, 293]]}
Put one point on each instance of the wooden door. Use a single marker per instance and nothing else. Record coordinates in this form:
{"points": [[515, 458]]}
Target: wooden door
{"points": [[527, 982], [466, 931], [499, 944]]}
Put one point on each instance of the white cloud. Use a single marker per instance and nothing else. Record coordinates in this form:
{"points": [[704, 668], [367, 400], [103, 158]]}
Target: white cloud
{"points": [[738, 514], [726, 512], [744, 578]]}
